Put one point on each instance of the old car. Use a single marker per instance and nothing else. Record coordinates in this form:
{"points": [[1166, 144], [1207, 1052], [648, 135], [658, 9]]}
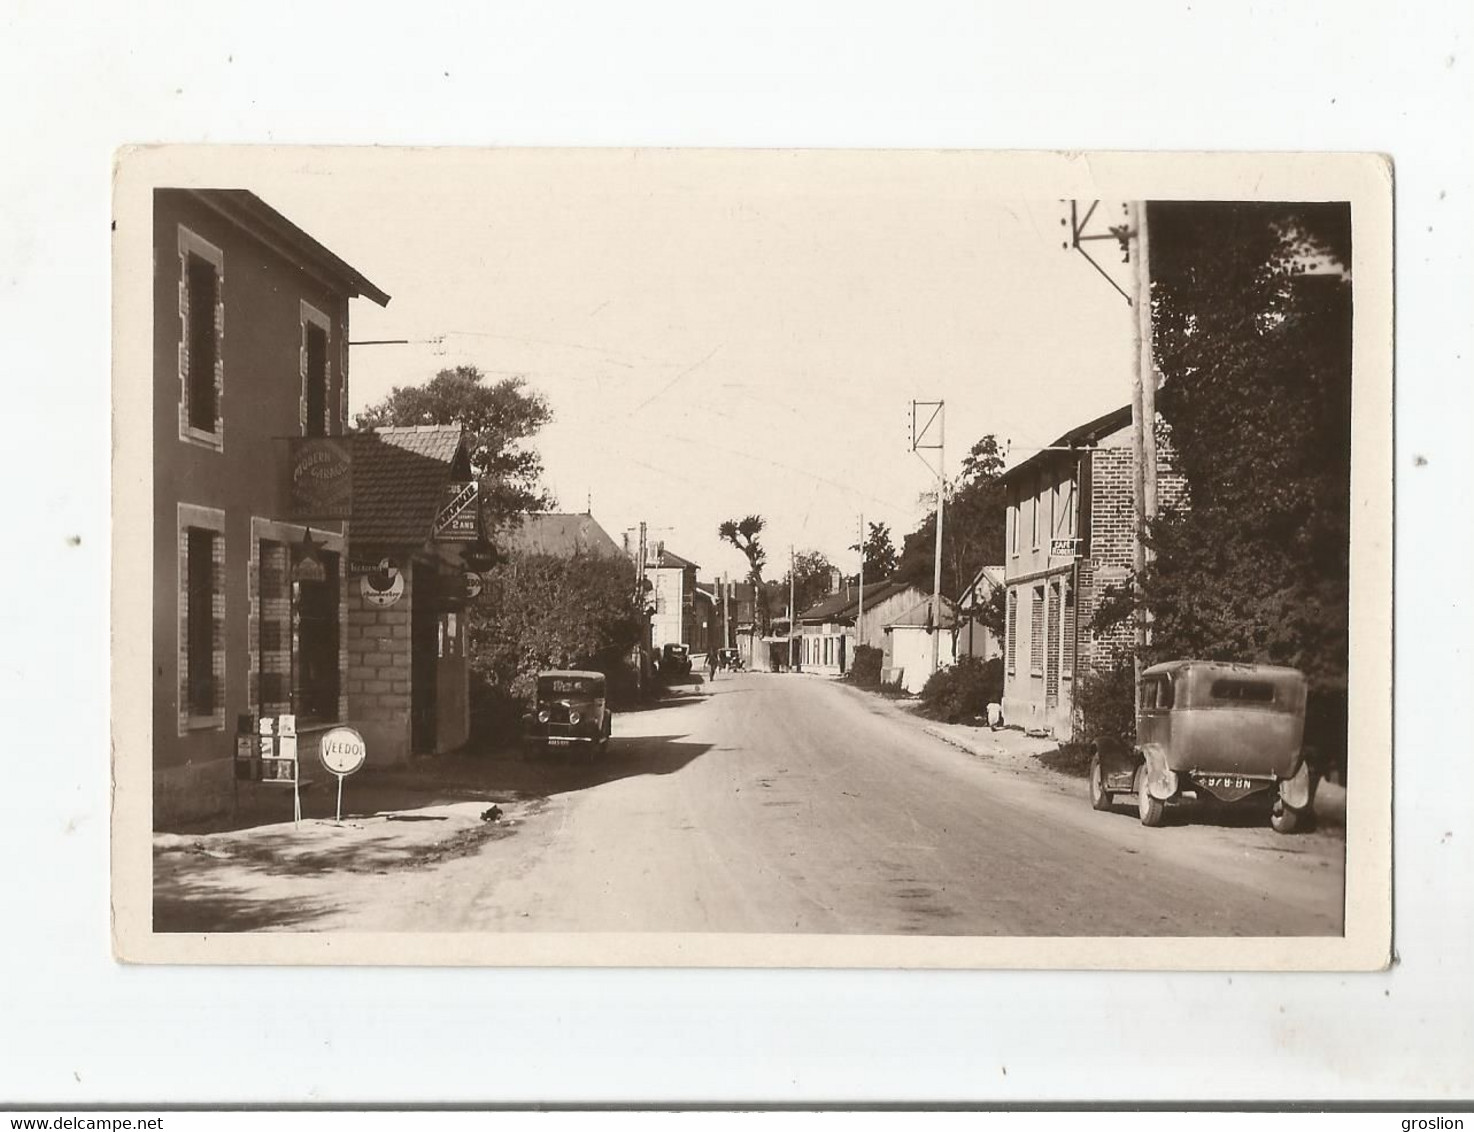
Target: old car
{"points": [[571, 711], [1229, 731], [675, 660]]}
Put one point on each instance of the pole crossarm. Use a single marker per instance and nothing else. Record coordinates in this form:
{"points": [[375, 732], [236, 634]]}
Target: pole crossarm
{"points": [[1079, 236]]}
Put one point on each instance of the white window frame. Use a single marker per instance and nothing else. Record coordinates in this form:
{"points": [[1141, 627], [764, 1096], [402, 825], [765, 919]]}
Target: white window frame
{"points": [[309, 315], [191, 243], [1038, 490], [194, 517]]}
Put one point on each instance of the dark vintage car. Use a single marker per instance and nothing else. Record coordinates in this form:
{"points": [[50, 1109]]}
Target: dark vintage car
{"points": [[571, 712], [1232, 731], [675, 660]]}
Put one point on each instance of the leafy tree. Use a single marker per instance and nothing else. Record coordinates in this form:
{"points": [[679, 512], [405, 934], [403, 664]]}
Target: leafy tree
{"points": [[880, 554], [500, 416], [812, 576], [1255, 356], [538, 611], [972, 526]]}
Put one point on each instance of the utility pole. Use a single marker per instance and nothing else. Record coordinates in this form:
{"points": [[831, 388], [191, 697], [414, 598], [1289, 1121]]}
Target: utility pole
{"points": [[726, 623], [939, 418], [792, 613], [859, 616], [1143, 379]]}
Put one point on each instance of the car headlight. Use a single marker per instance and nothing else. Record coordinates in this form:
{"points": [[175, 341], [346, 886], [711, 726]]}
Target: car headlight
{"points": [[543, 716], [574, 717]]}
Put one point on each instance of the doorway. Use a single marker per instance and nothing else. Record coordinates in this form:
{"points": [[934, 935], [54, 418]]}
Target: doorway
{"points": [[424, 633]]}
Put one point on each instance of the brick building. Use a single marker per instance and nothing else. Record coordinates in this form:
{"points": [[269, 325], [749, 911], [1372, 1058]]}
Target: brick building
{"points": [[250, 350], [1071, 534]]}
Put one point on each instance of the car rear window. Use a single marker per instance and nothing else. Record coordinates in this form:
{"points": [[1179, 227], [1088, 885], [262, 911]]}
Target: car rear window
{"points": [[1243, 691]]}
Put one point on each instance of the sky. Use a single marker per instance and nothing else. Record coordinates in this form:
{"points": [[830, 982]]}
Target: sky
{"points": [[726, 333]]}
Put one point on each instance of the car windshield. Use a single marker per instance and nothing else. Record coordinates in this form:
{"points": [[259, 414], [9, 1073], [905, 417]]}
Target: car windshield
{"points": [[551, 687]]}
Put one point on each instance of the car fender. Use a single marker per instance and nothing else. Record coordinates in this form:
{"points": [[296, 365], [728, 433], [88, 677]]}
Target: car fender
{"points": [[1161, 780], [1295, 792]]}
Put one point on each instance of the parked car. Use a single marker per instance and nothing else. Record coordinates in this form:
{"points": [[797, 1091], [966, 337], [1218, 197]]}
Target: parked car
{"points": [[571, 710], [730, 658], [1232, 731], [675, 660]]}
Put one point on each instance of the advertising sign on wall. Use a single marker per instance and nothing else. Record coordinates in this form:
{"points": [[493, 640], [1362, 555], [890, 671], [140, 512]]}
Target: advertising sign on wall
{"points": [[322, 477]]}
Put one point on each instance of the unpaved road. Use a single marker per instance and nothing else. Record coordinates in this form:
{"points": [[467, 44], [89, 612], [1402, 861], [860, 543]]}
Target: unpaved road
{"points": [[792, 804]]}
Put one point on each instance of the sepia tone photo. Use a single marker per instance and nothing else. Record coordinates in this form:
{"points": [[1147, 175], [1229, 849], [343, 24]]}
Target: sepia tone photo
{"points": [[752, 558]]}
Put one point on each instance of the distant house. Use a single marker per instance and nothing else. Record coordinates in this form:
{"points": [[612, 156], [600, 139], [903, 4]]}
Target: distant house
{"points": [[832, 627], [973, 637], [558, 534], [673, 581], [1071, 534], [909, 640]]}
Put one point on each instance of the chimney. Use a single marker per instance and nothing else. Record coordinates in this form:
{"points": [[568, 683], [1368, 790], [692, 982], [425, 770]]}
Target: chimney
{"points": [[834, 579]]}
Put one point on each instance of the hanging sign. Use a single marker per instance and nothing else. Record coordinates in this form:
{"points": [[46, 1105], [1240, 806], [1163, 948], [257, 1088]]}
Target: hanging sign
{"points": [[342, 752], [459, 518], [1064, 547], [382, 587], [473, 583], [322, 477]]}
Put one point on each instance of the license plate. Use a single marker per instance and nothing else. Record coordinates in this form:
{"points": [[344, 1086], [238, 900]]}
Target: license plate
{"points": [[560, 742], [1227, 781]]}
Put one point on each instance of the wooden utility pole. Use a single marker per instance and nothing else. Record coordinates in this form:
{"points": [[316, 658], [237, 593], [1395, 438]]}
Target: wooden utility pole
{"points": [[939, 415], [860, 614], [792, 613]]}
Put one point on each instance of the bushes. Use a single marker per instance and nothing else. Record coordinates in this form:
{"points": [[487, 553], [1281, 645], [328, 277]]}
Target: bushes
{"points": [[1105, 705], [865, 672], [964, 690]]}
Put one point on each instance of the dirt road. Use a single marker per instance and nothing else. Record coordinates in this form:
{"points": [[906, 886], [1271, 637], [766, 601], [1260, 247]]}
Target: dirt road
{"points": [[793, 804]]}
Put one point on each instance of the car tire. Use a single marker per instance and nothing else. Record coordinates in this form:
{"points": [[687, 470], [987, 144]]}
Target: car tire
{"points": [[1285, 819], [1100, 797], [1150, 810]]}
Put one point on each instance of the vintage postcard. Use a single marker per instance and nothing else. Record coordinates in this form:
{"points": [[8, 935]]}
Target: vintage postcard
{"points": [[752, 558]]}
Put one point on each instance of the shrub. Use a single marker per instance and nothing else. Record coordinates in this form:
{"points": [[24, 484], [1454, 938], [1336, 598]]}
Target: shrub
{"points": [[865, 672], [964, 690], [1105, 705]]}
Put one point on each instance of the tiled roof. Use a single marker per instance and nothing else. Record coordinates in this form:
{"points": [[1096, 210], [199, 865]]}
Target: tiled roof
{"points": [[399, 475], [844, 605], [920, 615], [669, 561], [1086, 435], [557, 534]]}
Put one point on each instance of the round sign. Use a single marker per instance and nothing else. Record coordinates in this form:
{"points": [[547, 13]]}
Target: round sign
{"points": [[343, 750], [473, 583], [382, 587]]}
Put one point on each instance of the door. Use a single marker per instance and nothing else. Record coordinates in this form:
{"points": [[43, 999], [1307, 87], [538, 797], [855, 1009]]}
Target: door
{"points": [[425, 648]]}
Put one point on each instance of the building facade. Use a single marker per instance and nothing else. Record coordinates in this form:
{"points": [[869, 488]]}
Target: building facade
{"points": [[1070, 537], [250, 605]]}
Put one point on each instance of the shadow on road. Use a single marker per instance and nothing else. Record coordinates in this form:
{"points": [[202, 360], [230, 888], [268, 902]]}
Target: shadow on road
{"points": [[183, 904]]}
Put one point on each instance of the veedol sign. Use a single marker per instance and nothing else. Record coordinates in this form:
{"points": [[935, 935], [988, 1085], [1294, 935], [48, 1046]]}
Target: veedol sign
{"points": [[343, 751]]}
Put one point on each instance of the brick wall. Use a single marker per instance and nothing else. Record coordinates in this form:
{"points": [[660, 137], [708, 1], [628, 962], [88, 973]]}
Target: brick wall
{"points": [[378, 685]]}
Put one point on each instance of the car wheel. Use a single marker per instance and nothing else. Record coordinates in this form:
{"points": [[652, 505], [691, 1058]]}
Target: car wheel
{"points": [[1100, 797], [1284, 819], [1150, 810]]}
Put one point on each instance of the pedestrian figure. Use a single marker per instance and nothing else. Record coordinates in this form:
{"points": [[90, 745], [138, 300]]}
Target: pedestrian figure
{"points": [[711, 664]]}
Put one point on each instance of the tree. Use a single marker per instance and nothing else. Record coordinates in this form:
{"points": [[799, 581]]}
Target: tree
{"points": [[501, 417], [972, 527], [812, 575], [539, 611], [743, 534], [880, 552], [1255, 357]]}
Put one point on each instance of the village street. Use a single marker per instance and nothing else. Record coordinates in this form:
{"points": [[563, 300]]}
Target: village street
{"points": [[771, 803]]}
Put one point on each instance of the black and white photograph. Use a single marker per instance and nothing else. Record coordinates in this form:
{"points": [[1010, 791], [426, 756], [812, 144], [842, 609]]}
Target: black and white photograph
{"points": [[775, 557]]}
